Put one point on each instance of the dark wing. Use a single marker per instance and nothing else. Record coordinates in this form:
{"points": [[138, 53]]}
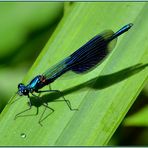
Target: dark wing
{"points": [[85, 58], [92, 53]]}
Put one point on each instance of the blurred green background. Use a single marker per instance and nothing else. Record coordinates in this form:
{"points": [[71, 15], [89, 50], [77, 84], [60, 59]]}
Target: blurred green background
{"points": [[24, 30], [25, 27]]}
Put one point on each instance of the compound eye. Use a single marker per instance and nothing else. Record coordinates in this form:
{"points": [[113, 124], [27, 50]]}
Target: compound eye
{"points": [[19, 85], [25, 92]]}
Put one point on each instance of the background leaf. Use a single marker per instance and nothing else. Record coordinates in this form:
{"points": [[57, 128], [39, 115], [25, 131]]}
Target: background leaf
{"points": [[25, 28], [138, 119]]}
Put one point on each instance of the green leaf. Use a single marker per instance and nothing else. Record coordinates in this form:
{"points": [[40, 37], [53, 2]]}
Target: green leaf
{"points": [[103, 96], [138, 119]]}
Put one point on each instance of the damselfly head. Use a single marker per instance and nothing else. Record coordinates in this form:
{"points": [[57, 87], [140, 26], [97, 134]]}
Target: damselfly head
{"points": [[22, 90]]}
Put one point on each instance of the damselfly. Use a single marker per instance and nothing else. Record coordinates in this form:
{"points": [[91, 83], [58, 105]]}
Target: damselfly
{"points": [[82, 60]]}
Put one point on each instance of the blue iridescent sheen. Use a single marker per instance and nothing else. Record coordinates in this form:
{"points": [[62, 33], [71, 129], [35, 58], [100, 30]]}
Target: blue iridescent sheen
{"points": [[82, 60]]}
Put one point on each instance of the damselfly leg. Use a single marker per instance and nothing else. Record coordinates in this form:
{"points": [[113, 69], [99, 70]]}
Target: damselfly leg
{"points": [[45, 104], [42, 118], [30, 106], [62, 95]]}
